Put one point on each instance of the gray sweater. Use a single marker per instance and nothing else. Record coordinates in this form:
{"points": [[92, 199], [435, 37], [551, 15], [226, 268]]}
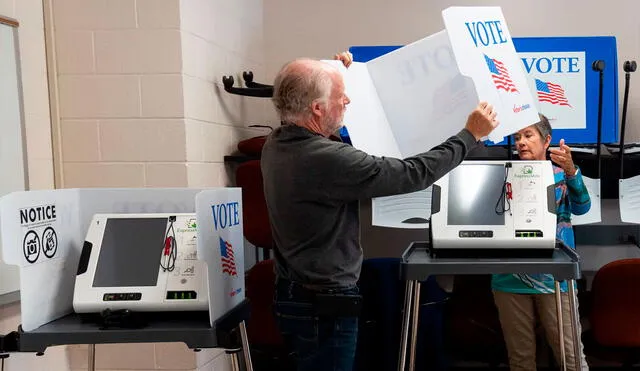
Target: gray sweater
{"points": [[312, 186]]}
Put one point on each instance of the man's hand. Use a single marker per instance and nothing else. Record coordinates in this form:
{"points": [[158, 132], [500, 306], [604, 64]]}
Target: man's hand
{"points": [[345, 57], [562, 157], [482, 120]]}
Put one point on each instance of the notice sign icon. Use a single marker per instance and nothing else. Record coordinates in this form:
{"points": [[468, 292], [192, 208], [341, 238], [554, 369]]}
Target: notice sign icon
{"points": [[49, 242], [31, 246]]}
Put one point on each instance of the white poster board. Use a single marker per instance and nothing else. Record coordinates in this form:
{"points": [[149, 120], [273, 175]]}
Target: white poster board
{"points": [[557, 80], [412, 99], [43, 233], [221, 245]]}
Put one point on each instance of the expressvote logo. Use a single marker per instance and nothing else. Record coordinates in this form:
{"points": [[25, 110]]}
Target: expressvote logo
{"points": [[526, 171]]}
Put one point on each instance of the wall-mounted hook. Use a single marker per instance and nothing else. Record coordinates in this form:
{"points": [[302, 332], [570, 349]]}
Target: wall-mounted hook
{"points": [[228, 81], [248, 80]]}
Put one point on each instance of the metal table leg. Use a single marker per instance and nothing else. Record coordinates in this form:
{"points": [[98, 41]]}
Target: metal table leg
{"points": [[563, 356], [577, 353], [245, 347], [405, 326], [92, 357], [233, 358], [414, 325]]}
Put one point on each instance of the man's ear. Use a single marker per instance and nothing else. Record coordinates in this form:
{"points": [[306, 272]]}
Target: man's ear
{"points": [[316, 108]]}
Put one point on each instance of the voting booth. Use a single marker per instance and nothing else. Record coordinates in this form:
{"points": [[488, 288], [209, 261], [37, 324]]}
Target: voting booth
{"points": [[136, 253]]}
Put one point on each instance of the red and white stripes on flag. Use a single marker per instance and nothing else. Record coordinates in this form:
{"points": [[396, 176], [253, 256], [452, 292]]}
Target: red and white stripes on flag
{"points": [[227, 258], [500, 75], [551, 93]]}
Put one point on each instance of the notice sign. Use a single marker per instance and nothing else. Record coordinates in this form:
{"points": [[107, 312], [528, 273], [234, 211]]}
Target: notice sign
{"points": [[40, 240]]}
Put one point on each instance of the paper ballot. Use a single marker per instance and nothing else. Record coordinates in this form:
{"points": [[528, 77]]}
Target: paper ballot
{"points": [[594, 215], [629, 190], [415, 97]]}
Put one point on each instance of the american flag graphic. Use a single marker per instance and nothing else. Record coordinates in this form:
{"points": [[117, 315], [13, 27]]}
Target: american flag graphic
{"points": [[451, 95], [500, 75], [226, 256], [551, 93]]}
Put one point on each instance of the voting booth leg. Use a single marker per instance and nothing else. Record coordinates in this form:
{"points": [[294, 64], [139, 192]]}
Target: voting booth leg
{"points": [[411, 314], [577, 358], [92, 357], [414, 324], [245, 346], [402, 359], [234, 353], [563, 356], [234, 359]]}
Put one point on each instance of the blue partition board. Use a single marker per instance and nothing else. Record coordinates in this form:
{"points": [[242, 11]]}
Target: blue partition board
{"points": [[594, 47]]}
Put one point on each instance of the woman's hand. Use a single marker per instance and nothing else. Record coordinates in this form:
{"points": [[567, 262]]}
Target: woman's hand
{"points": [[562, 157]]}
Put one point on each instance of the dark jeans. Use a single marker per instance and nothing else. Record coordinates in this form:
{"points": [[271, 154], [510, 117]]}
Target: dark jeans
{"points": [[319, 343]]}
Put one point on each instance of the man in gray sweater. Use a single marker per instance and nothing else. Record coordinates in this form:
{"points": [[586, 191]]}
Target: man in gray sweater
{"points": [[312, 186]]}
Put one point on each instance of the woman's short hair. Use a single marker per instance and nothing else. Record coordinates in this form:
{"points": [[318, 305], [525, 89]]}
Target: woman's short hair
{"points": [[543, 126]]}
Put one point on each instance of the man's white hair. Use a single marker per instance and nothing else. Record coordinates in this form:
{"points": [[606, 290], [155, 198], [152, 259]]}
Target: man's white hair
{"points": [[298, 84]]}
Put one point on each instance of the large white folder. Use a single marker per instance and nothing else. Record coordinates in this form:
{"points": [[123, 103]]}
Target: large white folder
{"points": [[412, 99]]}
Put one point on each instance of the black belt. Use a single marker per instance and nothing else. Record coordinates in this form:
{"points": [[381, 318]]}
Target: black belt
{"points": [[327, 302]]}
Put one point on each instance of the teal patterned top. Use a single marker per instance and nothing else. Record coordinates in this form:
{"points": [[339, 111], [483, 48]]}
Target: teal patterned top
{"points": [[571, 198]]}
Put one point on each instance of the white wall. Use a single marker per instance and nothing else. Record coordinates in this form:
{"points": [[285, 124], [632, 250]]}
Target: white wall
{"points": [[296, 28], [34, 88], [218, 39]]}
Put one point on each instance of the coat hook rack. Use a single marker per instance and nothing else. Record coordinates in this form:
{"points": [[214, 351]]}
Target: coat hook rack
{"points": [[248, 81], [252, 89]]}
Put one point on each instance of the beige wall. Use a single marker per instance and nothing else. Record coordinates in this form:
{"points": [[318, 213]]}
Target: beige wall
{"points": [[136, 105], [218, 38]]}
